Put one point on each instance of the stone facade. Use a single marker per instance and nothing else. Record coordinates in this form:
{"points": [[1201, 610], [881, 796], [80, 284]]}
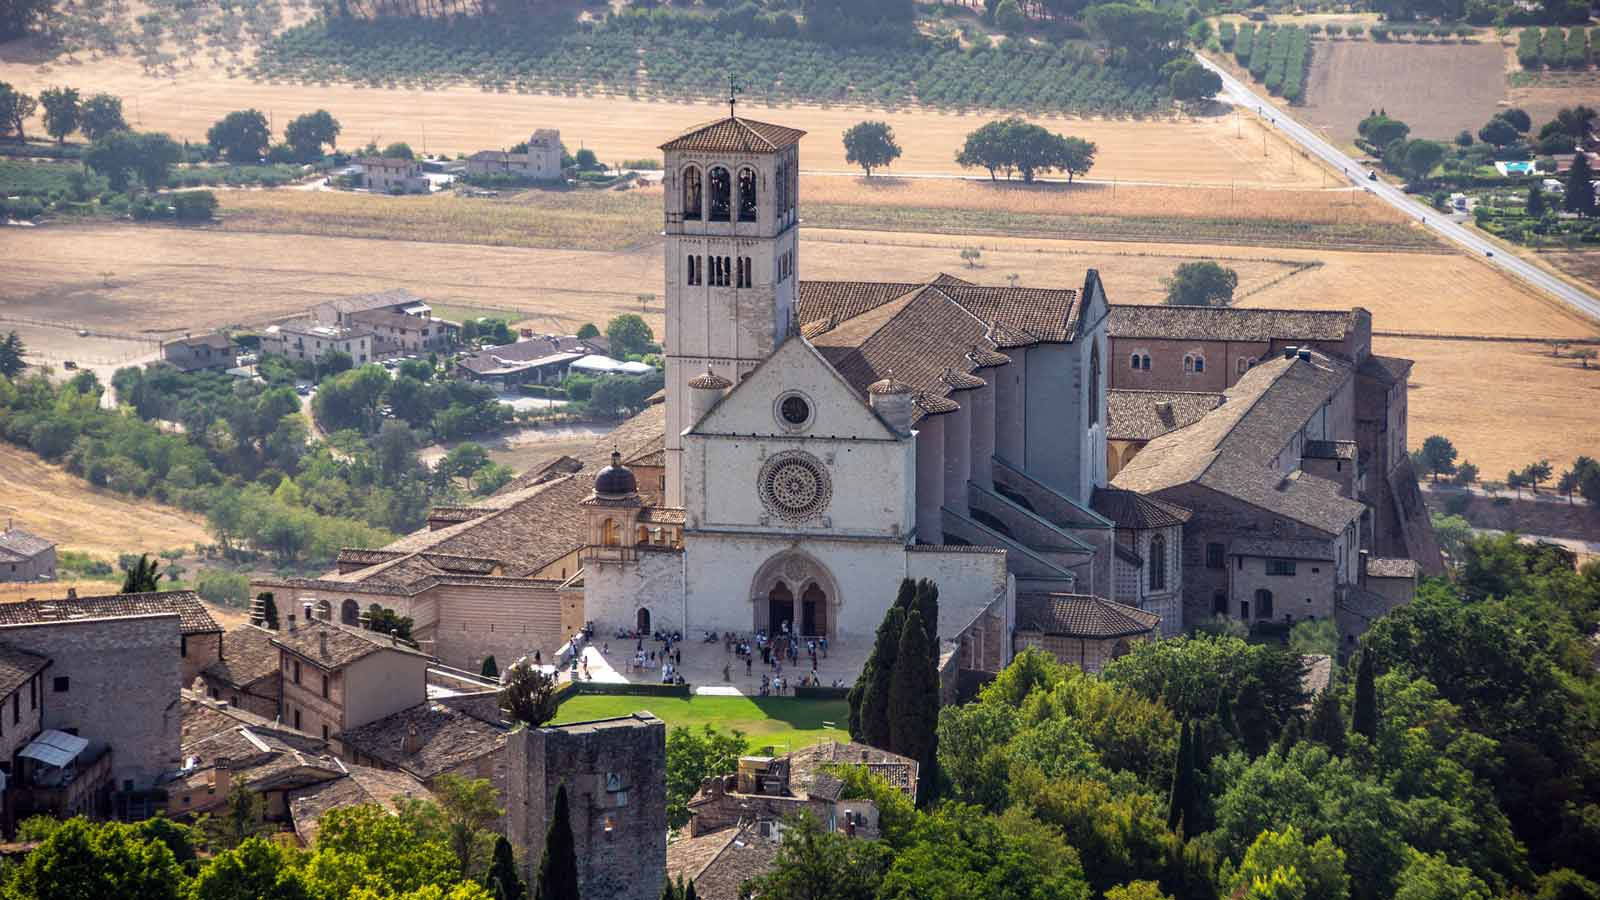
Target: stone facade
{"points": [[114, 682], [614, 771], [26, 557], [309, 341]]}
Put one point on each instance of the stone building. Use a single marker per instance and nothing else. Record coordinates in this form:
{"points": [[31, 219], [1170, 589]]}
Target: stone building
{"points": [[720, 862], [26, 557], [1149, 553], [1083, 630], [392, 175], [343, 310], [194, 354], [395, 333], [769, 789], [1192, 353], [462, 735], [614, 771], [335, 678], [246, 675], [541, 161], [306, 340], [1239, 470], [21, 718]]}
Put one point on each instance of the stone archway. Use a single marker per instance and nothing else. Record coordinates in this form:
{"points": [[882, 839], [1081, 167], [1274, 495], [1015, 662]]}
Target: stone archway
{"points": [[794, 585]]}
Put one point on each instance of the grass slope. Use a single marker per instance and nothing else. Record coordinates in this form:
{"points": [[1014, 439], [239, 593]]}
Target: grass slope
{"points": [[779, 722]]}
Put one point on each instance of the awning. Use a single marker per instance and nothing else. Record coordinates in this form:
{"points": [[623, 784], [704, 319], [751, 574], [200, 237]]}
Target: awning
{"points": [[55, 748]]}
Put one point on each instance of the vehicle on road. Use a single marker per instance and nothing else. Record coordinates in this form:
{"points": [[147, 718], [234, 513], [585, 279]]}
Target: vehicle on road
{"points": [[1372, 176], [69, 364]]}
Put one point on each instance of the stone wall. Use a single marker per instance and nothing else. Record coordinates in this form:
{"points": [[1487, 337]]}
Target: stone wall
{"points": [[41, 565], [197, 651], [112, 681], [615, 775], [1307, 594], [475, 621], [14, 735], [1088, 654], [615, 592]]}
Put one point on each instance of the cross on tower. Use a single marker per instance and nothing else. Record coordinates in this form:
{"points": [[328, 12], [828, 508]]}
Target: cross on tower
{"points": [[733, 95]]}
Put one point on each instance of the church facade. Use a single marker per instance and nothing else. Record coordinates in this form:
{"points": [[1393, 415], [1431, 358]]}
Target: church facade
{"points": [[824, 440]]}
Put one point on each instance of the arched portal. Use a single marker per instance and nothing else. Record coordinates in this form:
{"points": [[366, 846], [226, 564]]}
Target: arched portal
{"points": [[324, 610], [350, 612], [643, 621], [794, 586]]}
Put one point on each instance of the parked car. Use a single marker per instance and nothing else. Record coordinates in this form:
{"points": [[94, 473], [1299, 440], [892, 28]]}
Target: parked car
{"points": [[69, 364]]}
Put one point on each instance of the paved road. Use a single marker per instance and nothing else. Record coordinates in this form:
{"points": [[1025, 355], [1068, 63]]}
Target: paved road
{"points": [[1468, 240]]}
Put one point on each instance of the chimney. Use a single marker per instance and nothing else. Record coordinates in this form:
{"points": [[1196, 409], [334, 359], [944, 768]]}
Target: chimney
{"points": [[306, 607], [1289, 352], [222, 775], [1305, 355], [412, 742], [1165, 414], [1361, 576], [291, 623], [72, 593], [322, 641]]}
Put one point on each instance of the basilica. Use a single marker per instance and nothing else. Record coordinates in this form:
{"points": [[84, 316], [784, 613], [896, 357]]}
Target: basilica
{"points": [[1071, 473]]}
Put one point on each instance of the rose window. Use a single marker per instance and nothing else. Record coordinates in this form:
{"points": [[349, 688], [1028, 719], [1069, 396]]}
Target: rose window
{"points": [[795, 486]]}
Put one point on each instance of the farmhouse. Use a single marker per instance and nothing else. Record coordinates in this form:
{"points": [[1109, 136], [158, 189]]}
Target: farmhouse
{"points": [[537, 360], [541, 161], [193, 354], [394, 300], [395, 333], [305, 339], [392, 175], [26, 557]]}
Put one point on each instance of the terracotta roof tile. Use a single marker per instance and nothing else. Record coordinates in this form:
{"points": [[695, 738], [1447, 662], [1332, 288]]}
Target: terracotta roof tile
{"points": [[1129, 509], [720, 862], [192, 615], [1386, 369], [1282, 549], [1145, 415], [248, 656], [362, 786], [446, 738], [343, 645], [17, 666], [1219, 323], [735, 135], [1081, 615]]}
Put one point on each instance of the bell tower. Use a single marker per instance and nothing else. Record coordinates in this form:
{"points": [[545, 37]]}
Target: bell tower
{"points": [[731, 258]]}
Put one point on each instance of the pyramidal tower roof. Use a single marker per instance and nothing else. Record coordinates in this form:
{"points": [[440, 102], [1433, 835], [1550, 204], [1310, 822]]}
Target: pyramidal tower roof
{"points": [[732, 134]]}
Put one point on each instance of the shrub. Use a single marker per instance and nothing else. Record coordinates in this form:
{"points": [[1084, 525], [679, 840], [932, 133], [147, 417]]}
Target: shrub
{"points": [[225, 588], [194, 206]]}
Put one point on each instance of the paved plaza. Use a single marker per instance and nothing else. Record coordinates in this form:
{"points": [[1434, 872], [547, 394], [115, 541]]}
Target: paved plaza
{"points": [[712, 668]]}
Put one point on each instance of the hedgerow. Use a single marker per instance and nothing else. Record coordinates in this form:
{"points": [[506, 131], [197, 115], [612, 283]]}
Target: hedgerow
{"points": [[644, 56]]}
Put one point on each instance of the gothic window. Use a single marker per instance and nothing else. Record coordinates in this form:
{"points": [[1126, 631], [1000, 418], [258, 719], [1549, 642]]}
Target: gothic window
{"points": [[1146, 362], [780, 187], [1094, 384], [1133, 361], [1188, 363], [694, 276], [1199, 363], [794, 186], [727, 270], [691, 193], [721, 194], [1242, 365], [1263, 604], [1158, 563], [746, 277], [747, 195]]}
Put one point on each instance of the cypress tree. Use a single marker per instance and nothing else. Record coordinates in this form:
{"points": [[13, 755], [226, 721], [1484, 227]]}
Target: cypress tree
{"points": [[1289, 736], [1579, 197], [907, 597], [875, 693], [1364, 719], [1184, 802], [558, 870], [913, 695], [1535, 207], [269, 610], [142, 577], [1327, 722], [928, 605], [1225, 720], [879, 661], [491, 668], [503, 881], [688, 892]]}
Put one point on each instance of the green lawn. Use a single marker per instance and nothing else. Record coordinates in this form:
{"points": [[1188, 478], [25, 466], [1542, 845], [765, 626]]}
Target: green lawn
{"points": [[784, 723]]}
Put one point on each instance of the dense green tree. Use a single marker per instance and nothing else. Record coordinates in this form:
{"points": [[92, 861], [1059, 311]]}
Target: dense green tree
{"points": [[927, 603], [142, 576], [1535, 205], [461, 816], [692, 757], [1430, 876], [257, 869], [873, 685], [100, 115], [81, 860], [1381, 131], [243, 816], [504, 881], [365, 846], [1580, 197], [1183, 802], [1203, 283], [15, 108], [1009, 18], [1138, 29], [1422, 157], [269, 610], [1015, 144], [1498, 132], [588, 330], [870, 145], [528, 694], [308, 133], [1364, 718], [628, 335], [241, 136], [558, 868], [18, 17], [1193, 83], [958, 852], [1326, 725], [1438, 456], [12, 352], [1284, 856], [60, 112], [123, 155], [814, 864], [398, 150], [914, 695]]}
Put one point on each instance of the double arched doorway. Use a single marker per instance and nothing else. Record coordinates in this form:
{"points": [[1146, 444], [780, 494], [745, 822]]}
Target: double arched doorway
{"points": [[796, 589]]}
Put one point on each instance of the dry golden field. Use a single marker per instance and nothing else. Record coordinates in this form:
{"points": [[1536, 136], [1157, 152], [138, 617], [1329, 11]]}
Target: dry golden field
{"points": [[47, 501], [1504, 405], [1543, 94], [1446, 87], [464, 120]]}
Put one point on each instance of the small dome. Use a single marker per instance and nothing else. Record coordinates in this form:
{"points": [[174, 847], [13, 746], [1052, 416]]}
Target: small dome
{"points": [[615, 480], [710, 381], [889, 385]]}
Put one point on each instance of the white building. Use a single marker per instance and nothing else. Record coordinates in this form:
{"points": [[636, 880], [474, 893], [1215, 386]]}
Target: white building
{"points": [[308, 340], [825, 440], [541, 162], [393, 175]]}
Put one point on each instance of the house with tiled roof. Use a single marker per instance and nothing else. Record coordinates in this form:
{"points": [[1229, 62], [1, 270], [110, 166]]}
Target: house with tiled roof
{"points": [[245, 674], [1082, 629], [26, 557], [460, 735], [769, 789], [334, 678]]}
